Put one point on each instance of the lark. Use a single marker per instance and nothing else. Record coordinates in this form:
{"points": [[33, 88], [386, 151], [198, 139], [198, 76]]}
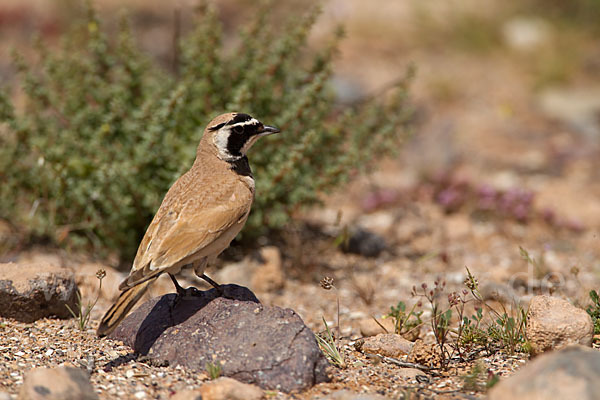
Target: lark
{"points": [[200, 215]]}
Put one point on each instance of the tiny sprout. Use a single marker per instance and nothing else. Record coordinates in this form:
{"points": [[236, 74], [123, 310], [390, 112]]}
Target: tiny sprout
{"points": [[84, 312], [327, 283], [424, 285], [465, 292]]}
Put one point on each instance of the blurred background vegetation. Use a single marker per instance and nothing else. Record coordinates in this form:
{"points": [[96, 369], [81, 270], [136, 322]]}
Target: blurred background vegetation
{"points": [[102, 111], [105, 130]]}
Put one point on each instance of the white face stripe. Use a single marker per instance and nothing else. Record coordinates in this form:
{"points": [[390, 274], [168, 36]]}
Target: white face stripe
{"points": [[220, 140], [252, 121]]}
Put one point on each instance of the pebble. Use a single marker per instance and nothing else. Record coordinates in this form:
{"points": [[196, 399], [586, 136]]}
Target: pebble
{"points": [[387, 344], [554, 323]]}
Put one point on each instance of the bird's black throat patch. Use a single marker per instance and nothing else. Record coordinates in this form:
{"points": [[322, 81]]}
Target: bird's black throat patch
{"points": [[235, 143], [241, 166]]}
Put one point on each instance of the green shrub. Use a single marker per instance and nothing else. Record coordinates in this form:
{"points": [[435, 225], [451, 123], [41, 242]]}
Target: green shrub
{"points": [[594, 310], [106, 130]]}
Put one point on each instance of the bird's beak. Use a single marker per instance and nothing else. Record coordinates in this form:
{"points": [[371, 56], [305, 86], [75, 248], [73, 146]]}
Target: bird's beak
{"points": [[268, 130]]}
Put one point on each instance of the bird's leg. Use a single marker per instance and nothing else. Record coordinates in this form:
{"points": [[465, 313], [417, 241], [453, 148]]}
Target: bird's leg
{"points": [[181, 292], [199, 270], [213, 284]]}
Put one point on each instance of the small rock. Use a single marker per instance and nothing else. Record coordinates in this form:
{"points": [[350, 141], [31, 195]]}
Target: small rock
{"points": [[187, 395], [365, 243], [387, 344], [410, 373], [267, 346], [577, 107], [229, 389], [526, 33], [380, 222], [348, 395], [554, 323], [368, 327], [269, 275], [29, 292], [571, 373], [427, 354], [62, 383], [458, 226]]}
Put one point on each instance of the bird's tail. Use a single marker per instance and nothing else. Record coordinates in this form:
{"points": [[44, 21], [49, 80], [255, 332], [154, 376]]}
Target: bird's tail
{"points": [[124, 304]]}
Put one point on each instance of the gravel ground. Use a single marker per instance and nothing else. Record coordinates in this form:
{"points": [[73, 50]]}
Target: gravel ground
{"points": [[479, 122], [117, 372]]}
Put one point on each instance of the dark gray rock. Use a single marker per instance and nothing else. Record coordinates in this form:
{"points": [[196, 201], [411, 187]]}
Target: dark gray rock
{"points": [[365, 243], [29, 292], [267, 346], [61, 383], [571, 373]]}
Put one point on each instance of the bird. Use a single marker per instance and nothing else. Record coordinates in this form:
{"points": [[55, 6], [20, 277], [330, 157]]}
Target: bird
{"points": [[200, 215]]}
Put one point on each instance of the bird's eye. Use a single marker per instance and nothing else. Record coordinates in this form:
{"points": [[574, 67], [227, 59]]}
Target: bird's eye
{"points": [[238, 129]]}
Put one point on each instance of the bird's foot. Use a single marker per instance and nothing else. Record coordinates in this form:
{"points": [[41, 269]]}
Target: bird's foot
{"points": [[220, 290], [184, 294]]}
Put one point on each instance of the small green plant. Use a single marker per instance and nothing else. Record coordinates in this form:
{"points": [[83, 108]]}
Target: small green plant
{"points": [[594, 311], [472, 335], [214, 369], [508, 327], [509, 330], [440, 318], [403, 321], [83, 312], [478, 379], [329, 347]]}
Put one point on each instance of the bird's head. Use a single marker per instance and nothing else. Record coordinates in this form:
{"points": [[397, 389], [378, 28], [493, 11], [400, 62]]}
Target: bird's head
{"points": [[232, 134]]}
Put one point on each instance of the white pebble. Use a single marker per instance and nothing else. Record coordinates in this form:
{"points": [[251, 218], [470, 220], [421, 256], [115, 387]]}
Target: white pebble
{"points": [[140, 395]]}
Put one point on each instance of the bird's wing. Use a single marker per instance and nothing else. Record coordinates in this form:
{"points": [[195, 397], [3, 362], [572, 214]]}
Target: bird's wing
{"points": [[173, 236]]}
